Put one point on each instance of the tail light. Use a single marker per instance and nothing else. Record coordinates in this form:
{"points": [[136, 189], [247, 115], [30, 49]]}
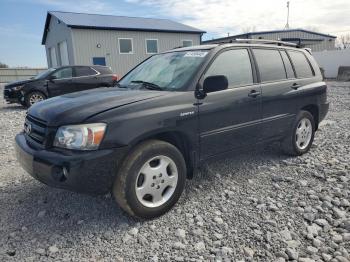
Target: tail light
{"points": [[115, 77]]}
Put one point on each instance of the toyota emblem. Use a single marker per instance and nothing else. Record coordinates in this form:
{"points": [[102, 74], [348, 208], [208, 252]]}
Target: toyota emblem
{"points": [[27, 128]]}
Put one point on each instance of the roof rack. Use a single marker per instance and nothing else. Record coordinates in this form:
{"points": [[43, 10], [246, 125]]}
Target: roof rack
{"points": [[264, 41]]}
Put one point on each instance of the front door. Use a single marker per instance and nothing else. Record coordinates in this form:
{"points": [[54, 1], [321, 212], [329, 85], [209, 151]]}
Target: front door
{"points": [[230, 119], [62, 84]]}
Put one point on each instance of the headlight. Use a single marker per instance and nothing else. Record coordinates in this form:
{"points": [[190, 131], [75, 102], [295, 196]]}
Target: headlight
{"points": [[17, 88], [80, 137]]}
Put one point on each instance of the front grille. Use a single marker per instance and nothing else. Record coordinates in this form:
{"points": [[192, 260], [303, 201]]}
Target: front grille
{"points": [[35, 129]]}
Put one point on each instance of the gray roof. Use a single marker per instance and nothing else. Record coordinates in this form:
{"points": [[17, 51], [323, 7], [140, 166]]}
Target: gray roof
{"points": [[247, 35], [111, 22]]}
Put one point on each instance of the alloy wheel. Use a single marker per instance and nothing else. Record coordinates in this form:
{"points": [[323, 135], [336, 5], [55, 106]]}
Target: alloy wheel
{"points": [[156, 181], [303, 133]]}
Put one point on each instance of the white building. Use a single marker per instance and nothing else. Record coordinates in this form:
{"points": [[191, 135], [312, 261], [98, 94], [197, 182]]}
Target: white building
{"points": [[116, 41]]}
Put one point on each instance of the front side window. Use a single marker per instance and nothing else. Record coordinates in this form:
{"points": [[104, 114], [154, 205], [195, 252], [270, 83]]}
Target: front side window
{"points": [[125, 46], [301, 65], [235, 65], [169, 71], [66, 72], [151, 46], [270, 64], [186, 43], [84, 71]]}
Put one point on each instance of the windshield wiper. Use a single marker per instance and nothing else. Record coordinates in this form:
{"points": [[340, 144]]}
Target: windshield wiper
{"points": [[148, 85]]}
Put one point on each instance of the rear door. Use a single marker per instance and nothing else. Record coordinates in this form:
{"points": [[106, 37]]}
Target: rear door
{"points": [[63, 83], [229, 119], [278, 96], [86, 77]]}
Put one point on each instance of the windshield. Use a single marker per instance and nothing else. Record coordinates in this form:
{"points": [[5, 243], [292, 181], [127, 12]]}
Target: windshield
{"points": [[45, 73], [169, 71]]}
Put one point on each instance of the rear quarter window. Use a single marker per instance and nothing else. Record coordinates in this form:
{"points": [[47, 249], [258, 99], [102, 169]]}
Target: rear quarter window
{"points": [[104, 70], [84, 71], [301, 64]]}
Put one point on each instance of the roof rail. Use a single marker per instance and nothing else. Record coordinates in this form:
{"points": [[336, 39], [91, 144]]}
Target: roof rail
{"points": [[264, 41]]}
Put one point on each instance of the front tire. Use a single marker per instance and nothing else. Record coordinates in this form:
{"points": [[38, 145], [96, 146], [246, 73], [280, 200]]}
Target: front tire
{"points": [[150, 180], [299, 141], [33, 97]]}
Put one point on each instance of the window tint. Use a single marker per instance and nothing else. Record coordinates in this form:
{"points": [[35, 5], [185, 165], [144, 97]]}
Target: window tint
{"points": [[63, 73], [186, 43], [151, 46], [125, 46], [301, 65], [270, 65], [287, 65], [84, 71], [235, 65]]}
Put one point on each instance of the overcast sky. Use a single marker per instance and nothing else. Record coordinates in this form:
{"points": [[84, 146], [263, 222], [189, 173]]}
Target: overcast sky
{"points": [[22, 21]]}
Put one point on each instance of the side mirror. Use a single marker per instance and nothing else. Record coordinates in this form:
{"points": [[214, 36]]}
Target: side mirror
{"points": [[52, 77], [215, 83]]}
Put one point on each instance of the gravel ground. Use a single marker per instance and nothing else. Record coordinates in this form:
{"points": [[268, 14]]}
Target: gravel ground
{"points": [[255, 206]]}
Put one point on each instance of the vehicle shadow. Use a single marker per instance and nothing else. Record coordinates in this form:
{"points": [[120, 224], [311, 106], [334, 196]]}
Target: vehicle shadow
{"points": [[9, 108]]}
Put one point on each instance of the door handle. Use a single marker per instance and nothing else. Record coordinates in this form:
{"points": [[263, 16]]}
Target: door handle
{"points": [[254, 93], [295, 86]]}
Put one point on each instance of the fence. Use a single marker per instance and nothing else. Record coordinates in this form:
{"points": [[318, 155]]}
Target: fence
{"points": [[331, 60], [12, 74]]}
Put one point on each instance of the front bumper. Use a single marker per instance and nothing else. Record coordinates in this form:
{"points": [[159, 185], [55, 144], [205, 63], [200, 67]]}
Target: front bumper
{"points": [[90, 172], [11, 96]]}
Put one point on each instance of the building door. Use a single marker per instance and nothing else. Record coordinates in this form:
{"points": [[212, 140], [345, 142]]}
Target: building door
{"points": [[53, 59], [99, 61], [63, 53]]}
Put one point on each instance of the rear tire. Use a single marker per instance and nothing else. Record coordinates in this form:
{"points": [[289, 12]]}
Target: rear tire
{"points": [[300, 139], [150, 180], [33, 97]]}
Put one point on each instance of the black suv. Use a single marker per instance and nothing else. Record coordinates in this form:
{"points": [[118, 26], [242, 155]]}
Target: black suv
{"points": [[58, 81], [169, 115]]}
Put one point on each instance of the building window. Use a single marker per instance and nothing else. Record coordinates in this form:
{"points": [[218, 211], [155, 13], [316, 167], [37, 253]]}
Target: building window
{"points": [[186, 43], [125, 46], [151, 46]]}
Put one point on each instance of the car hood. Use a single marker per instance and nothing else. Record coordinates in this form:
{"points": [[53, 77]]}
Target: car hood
{"points": [[18, 83], [76, 107]]}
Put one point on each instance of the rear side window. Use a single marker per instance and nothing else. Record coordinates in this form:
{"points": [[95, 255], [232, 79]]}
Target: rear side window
{"points": [[287, 65], [301, 64], [84, 71], [235, 65], [270, 65]]}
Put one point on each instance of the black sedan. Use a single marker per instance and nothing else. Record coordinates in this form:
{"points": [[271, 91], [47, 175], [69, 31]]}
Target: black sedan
{"points": [[58, 81]]}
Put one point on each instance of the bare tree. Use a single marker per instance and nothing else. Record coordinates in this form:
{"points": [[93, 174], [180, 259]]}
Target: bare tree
{"points": [[2, 65], [344, 41]]}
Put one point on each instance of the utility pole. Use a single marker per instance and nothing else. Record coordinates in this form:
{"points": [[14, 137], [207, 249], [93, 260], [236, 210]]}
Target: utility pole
{"points": [[287, 25]]}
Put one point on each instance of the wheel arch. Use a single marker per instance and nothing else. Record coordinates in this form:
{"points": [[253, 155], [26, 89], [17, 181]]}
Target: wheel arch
{"points": [[314, 111], [178, 139]]}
